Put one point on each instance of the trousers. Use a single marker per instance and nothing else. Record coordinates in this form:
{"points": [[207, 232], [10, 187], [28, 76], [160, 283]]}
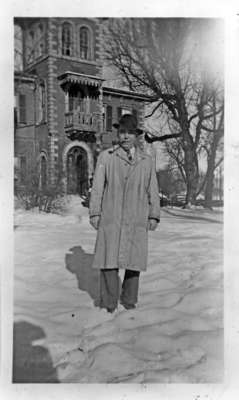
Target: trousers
{"points": [[111, 292]]}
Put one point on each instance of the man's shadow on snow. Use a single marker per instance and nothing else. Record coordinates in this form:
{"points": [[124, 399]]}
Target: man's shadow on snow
{"points": [[80, 263], [32, 362]]}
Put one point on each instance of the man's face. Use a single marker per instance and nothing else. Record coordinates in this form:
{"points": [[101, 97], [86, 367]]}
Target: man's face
{"points": [[127, 138]]}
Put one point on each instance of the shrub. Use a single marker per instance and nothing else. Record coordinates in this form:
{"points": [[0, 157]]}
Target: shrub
{"points": [[47, 199]]}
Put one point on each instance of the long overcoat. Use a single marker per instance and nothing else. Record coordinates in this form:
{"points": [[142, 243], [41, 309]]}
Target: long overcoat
{"points": [[125, 195]]}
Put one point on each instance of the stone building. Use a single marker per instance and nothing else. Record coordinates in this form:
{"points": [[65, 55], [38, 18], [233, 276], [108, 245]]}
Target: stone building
{"points": [[64, 109]]}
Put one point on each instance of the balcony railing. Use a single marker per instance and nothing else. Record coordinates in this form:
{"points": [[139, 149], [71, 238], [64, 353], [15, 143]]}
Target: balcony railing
{"points": [[80, 121]]}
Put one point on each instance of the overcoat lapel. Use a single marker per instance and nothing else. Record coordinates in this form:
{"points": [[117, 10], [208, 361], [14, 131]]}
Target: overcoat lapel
{"points": [[139, 156], [125, 171]]}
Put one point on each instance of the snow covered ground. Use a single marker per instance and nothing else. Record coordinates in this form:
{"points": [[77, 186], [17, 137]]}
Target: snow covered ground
{"points": [[175, 335]]}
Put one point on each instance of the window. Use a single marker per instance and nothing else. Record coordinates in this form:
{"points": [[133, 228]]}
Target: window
{"points": [[71, 103], [135, 114], [66, 39], [31, 49], [41, 49], [32, 46], [109, 118], [18, 48], [119, 112], [40, 40], [40, 31], [84, 43], [82, 104], [103, 115], [76, 101], [125, 111], [22, 109], [41, 104]]}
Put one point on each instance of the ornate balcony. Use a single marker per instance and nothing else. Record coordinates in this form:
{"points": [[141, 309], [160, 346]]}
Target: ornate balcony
{"points": [[77, 121]]}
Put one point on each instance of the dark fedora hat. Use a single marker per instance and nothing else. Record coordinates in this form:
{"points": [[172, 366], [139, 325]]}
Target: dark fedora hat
{"points": [[129, 122]]}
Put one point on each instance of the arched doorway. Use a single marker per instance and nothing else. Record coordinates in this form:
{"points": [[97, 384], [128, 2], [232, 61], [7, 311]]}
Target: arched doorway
{"points": [[77, 171]]}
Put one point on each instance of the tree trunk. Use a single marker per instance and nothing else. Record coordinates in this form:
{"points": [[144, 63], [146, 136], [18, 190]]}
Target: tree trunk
{"points": [[191, 160], [210, 171], [209, 188], [210, 178], [191, 166]]}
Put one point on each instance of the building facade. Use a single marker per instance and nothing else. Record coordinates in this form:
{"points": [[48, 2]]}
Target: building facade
{"points": [[64, 110]]}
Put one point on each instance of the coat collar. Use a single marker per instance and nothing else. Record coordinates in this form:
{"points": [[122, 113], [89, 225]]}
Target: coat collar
{"points": [[138, 156]]}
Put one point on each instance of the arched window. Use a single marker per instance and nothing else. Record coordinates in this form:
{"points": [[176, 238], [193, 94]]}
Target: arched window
{"points": [[41, 49], [41, 103], [32, 37], [18, 48], [32, 50], [40, 40], [84, 43], [66, 39]]}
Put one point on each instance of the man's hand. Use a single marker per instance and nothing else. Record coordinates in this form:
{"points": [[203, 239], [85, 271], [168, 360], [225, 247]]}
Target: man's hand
{"points": [[152, 224], [94, 221]]}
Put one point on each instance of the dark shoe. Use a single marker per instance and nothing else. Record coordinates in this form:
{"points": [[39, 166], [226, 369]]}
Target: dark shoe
{"points": [[128, 306], [110, 310]]}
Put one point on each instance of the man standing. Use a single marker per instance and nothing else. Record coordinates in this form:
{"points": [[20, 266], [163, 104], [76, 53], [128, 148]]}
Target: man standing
{"points": [[124, 205]]}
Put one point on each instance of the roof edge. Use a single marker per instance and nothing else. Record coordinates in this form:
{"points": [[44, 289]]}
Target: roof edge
{"points": [[126, 93]]}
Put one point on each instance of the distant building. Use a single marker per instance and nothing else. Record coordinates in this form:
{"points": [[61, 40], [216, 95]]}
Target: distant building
{"points": [[64, 110]]}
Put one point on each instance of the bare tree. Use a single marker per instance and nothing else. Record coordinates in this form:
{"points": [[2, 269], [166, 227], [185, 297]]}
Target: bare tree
{"points": [[211, 142], [208, 141], [161, 58]]}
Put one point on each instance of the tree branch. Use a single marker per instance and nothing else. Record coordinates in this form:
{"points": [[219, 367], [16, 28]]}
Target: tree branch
{"points": [[155, 108], [213, 114], [151, 139], [205, 128], [192, 117]]}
